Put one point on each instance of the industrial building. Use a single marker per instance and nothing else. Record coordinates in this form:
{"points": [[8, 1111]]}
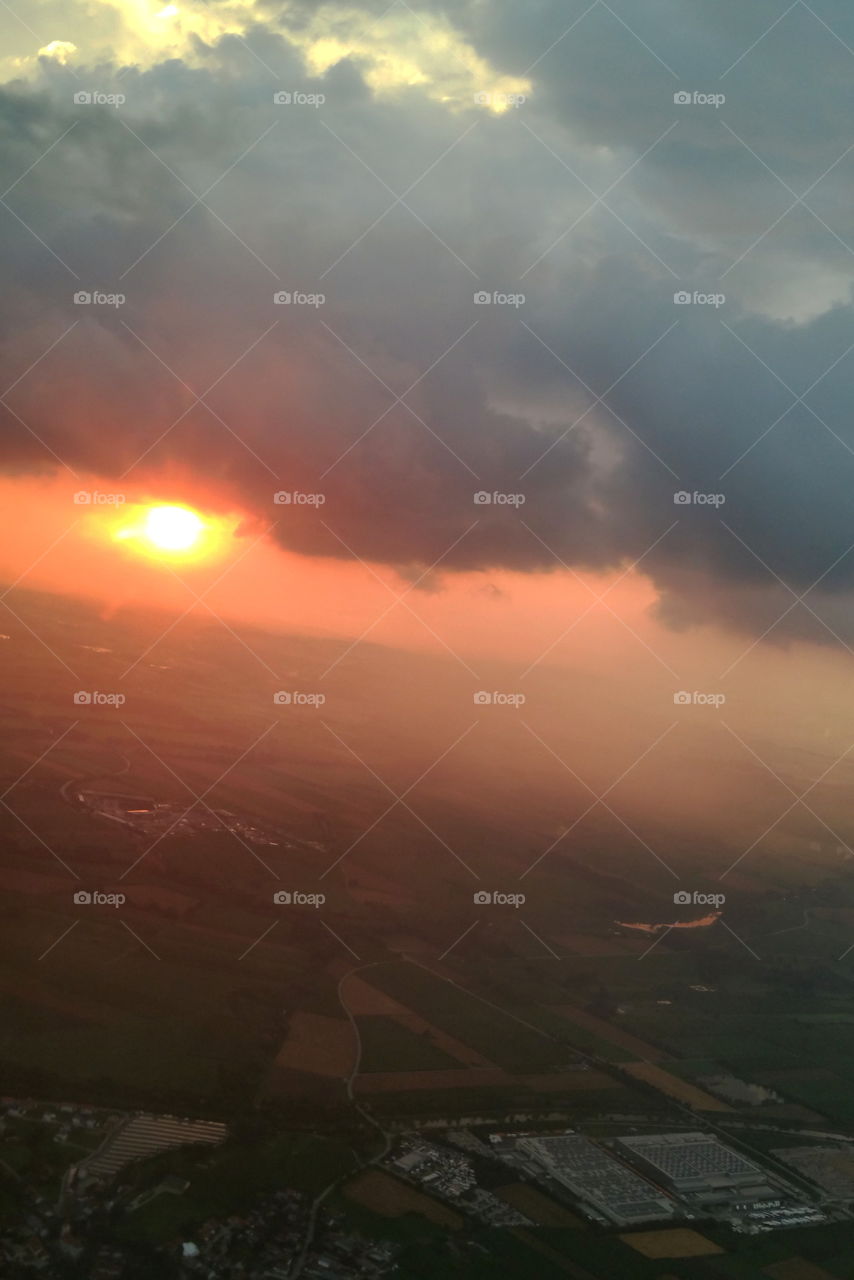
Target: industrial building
{"points": [[593, 1175], [699, 1169]]}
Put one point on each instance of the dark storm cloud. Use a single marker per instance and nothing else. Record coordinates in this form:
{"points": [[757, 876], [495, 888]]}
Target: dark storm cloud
{"points": [[310, 406]]}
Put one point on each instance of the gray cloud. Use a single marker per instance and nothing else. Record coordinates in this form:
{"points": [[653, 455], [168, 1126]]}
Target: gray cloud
{"points": [[309, 405]]}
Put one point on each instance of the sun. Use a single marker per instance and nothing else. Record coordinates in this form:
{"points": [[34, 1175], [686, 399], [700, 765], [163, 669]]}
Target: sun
{"points": [[171, 532], [173, 528]]}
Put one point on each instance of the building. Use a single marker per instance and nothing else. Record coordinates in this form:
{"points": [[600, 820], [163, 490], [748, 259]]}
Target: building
{"points": [[594, 1175], [698, 1169]]}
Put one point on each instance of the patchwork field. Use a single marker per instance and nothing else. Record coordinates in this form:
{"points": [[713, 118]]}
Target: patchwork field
{"points": [[607, 1031], [492, 1033], [681, 1090], [390, 1045], [797, 1269], [197, 992], [680, 1242], [318, 1045], [826, 1092], [542, 1210], [387, 1027], [406, 1081]]}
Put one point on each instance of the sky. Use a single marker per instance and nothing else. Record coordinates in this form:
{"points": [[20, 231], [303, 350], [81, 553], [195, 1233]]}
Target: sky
{"points": [[516, 304]]}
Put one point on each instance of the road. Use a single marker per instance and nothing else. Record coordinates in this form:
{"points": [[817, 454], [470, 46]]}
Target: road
{"points": [[386, 1134]]}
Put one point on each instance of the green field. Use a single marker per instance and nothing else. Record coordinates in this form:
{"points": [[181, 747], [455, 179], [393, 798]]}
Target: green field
{"points": [[388, 1046], [492, 1033]]}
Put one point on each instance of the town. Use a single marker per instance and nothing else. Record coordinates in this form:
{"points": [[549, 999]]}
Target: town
{"points": [[74, 1175]]}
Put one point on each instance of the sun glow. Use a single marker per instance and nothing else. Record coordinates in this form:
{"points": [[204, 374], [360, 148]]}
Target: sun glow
{"points": [[170, 532], [173, 528]]}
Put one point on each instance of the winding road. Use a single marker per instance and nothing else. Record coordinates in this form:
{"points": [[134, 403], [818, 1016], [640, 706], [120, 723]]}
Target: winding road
{"points": [[386, 1134]]}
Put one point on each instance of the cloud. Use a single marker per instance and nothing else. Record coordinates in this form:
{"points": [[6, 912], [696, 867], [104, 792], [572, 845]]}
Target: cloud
{"points": [[581, 213]]}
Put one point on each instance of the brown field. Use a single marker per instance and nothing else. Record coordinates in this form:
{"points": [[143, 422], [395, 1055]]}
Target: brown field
{"points": [[677, 1242], [317, 1044], [453, 1047], [363, 1000], [536, 1206], [675, 1088], [797, 1269], [383, 1194], [607, 1031]]}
